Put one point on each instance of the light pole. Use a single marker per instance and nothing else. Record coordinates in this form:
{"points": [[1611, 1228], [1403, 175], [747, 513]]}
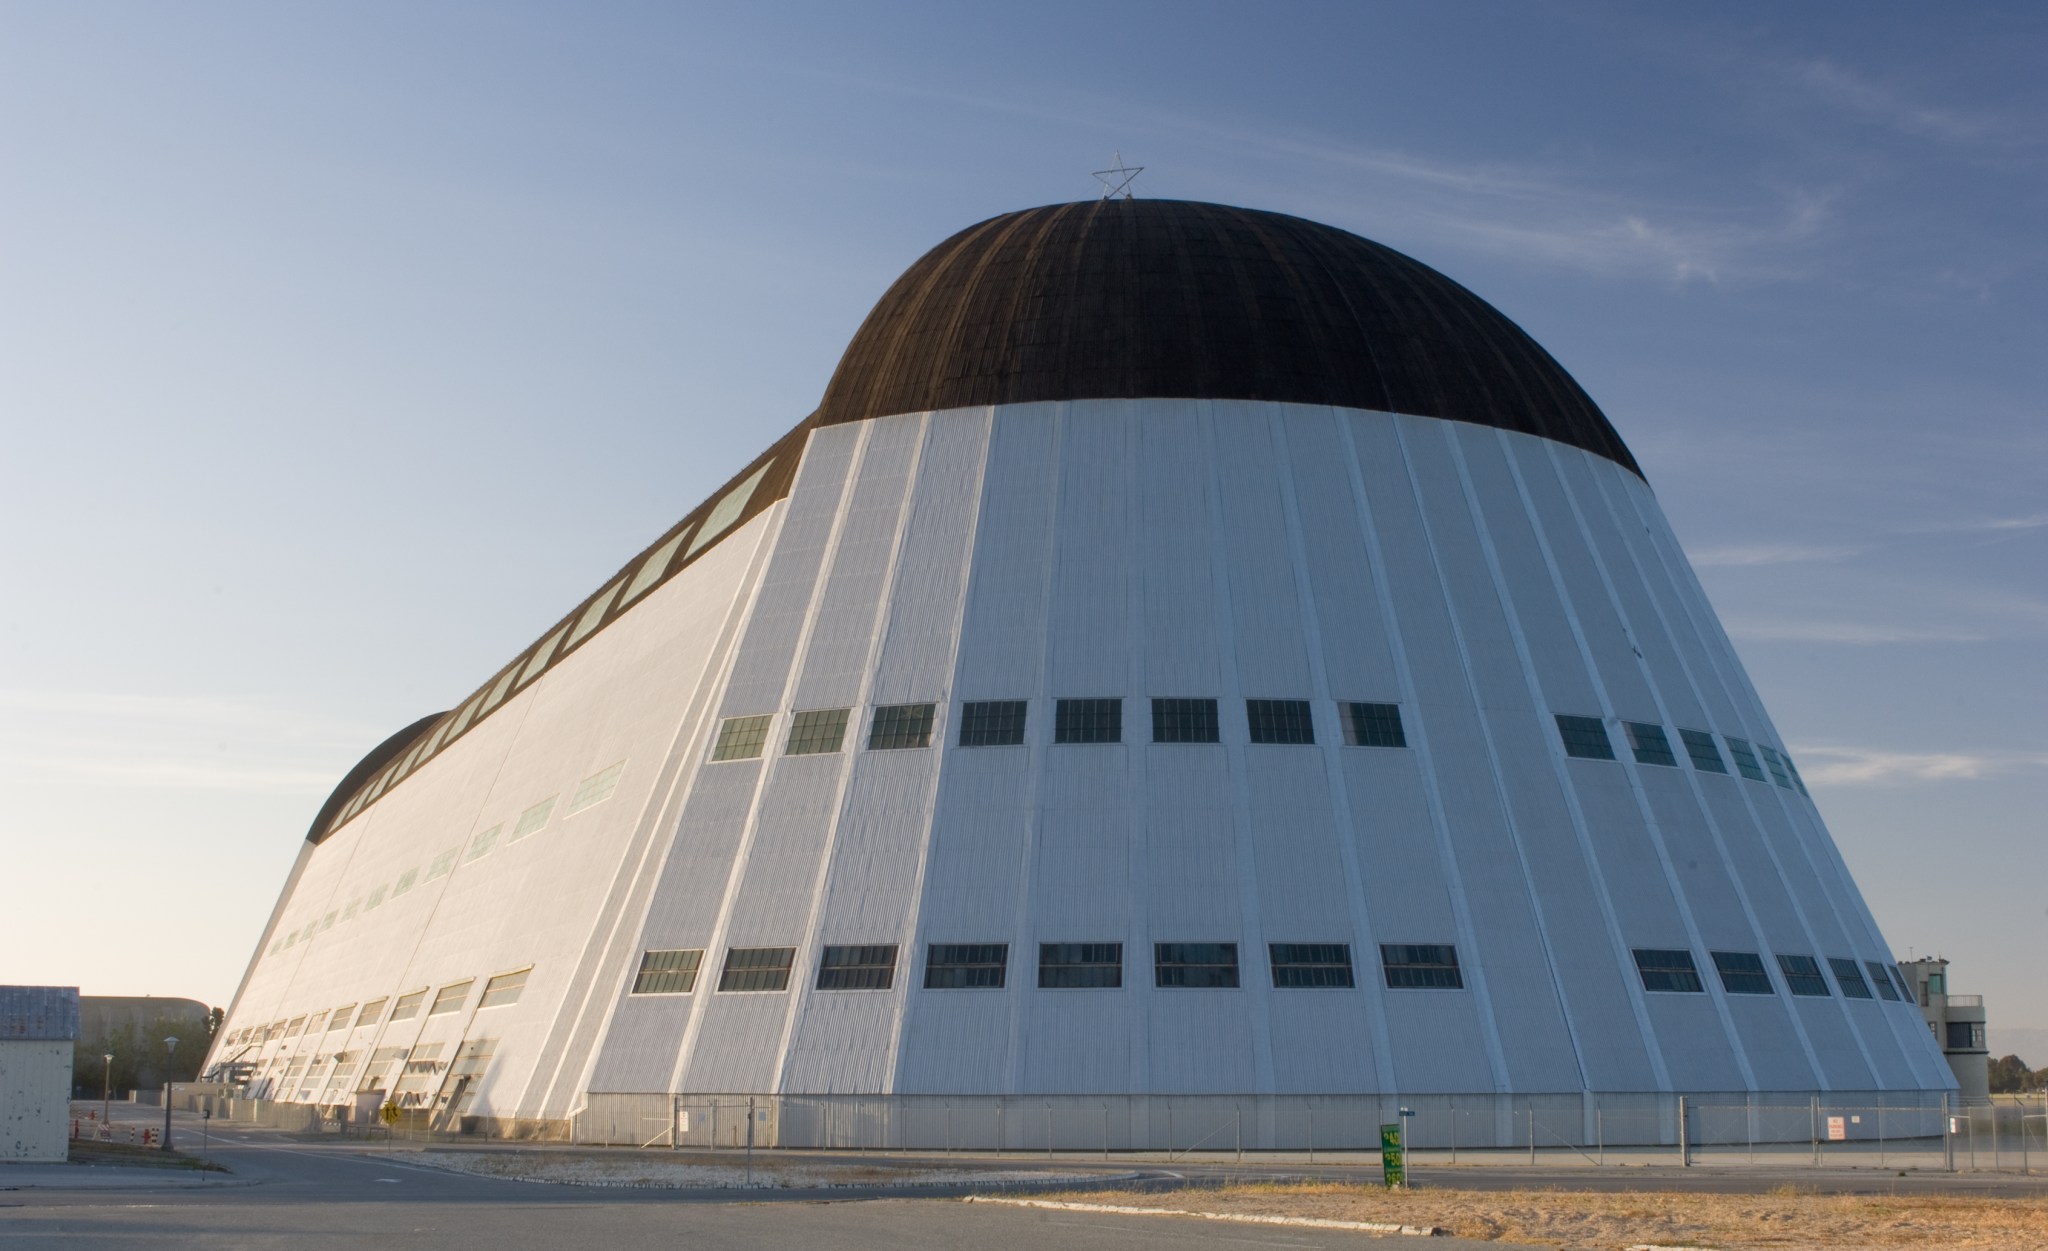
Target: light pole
{"points": [[106, 1086], [171, 1048]]}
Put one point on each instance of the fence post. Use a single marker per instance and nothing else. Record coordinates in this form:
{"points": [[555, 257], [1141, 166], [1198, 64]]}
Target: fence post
{"points": [[1240, 1133], [1105, 1131], [1048, 1131], [1684, 1139], [1532, 1130], [1948, 1138], [1311, 1135], [1813, 1126], [750, 1140]]}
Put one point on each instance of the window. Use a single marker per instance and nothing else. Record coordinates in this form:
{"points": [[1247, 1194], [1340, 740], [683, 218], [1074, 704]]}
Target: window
{"points": [[1885, 988], [1080, 965], [405, 881], [1585, 737], [966, 966], [1667, 970], [1705, 756], [1849, 978], [317, 1024], [1280, 721], [901, 725], [1183, 720], [1899, 979], [1088, 721], [497, 694], [1211, 965], [449, 998], [540, 659], [593, 615], [672, 972], [727, 510], [596, 788], [757, 968], [503, 989], [992, 723], [349, 913], [1745, 760], [1649, 744], [1421, 966], [857, 968], [742, 738], [1776, 766], [1742, 973], [442, 864], [327, 922], [817, 733], [1802, 975], [408, 1006], [376, 898], [533, 818], [1303, 965], [1793, 769], [1964, 1036], [481, 845], [1373, 725], [339, 1018], [652, 568], [371, 1012]]}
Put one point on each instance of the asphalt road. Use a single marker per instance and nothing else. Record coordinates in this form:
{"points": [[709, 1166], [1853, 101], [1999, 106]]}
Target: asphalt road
{"points": [[287, 1192]]}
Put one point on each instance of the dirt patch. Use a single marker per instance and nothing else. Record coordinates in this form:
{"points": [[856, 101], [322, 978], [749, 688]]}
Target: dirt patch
{"points": [[86, 1151], [1782, 1220]]}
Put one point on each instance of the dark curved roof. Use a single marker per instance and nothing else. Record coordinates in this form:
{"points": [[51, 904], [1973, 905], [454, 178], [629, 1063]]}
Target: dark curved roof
{"points": [[1127, 299], [380, 755]]}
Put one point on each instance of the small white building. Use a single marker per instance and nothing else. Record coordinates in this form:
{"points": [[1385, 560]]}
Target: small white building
{"points": [[1957, 1023], [38, 1025]]}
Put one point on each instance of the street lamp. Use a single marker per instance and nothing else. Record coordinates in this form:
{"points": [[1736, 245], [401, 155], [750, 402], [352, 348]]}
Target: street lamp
{"points": [[106, 1086], [170, 1046]]}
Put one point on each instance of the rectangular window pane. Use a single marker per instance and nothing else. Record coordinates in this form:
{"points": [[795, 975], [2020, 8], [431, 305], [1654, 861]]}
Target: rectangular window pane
{"points": [[1802, 975], [727, 510], [376, 898], [593, 615], [1649, 744], [1080, 965], [992, 723], [1183, 720], [1745, 760], [1793, 769], [1280, 721], [1663, 969], [1849, 978], [1373, 725], [857, 968], [652, 568], [1742, 973], [1775, 765], [404, 883], [1885, 988], [757, 968], [372, 1012], [1585, 737], [442, 864], [449, 998], [340, 1018], [539, 660], [497, 694], [481, 845], [1421, 966], [901, 725], [408, 1006], [596, 788], [672, 972], [1899, 979], [1211, 965], [533, 818], [1965, 1036], [742, 738], [966, 966], [816, 733], [1303, 965], [503, 989], [1088, 721], [1706, 757]]}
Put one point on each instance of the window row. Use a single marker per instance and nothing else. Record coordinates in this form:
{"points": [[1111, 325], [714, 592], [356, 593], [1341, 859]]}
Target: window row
{"points": [[1061, 966], [1743, 973], [500, 991], [1000, 723], [702, 529], [1586, 738], [589, 793]]}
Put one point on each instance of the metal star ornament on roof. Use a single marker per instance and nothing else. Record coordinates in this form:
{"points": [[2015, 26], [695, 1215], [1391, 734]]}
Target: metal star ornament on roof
{"points": [[1116, 180]]}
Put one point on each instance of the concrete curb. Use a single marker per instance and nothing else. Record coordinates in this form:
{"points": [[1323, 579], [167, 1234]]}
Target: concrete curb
{"points": [[1242, 1218]]}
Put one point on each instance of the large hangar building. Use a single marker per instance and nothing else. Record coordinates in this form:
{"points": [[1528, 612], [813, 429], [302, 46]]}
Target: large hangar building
{"points": [[1193, 659]]}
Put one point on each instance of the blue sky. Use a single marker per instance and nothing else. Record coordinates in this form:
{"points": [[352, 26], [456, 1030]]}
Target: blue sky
{"points": [[343, 348]]}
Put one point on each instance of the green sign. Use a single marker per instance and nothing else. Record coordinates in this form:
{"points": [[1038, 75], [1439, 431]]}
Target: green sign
{"points": [[1391, 1153]]}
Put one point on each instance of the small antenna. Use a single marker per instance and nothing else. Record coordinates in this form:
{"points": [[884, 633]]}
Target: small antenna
{"points": [[1116, 180]]}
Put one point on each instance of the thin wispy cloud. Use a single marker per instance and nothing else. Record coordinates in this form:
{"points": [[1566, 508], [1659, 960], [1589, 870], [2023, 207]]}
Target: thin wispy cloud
{"points": [[1753, 554], [1888, 106], [1856, 632], [1837, 765], [1985, 525]]}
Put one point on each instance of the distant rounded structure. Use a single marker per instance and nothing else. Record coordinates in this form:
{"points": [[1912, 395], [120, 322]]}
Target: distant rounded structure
{"points": [[1196, 665]]}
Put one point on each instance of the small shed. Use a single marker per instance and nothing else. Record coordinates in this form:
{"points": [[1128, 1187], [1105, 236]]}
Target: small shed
{"points": [[38, 1025]]}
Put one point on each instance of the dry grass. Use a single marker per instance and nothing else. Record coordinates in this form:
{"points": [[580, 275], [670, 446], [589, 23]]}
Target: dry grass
{"points": [[1782, 1220]]}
